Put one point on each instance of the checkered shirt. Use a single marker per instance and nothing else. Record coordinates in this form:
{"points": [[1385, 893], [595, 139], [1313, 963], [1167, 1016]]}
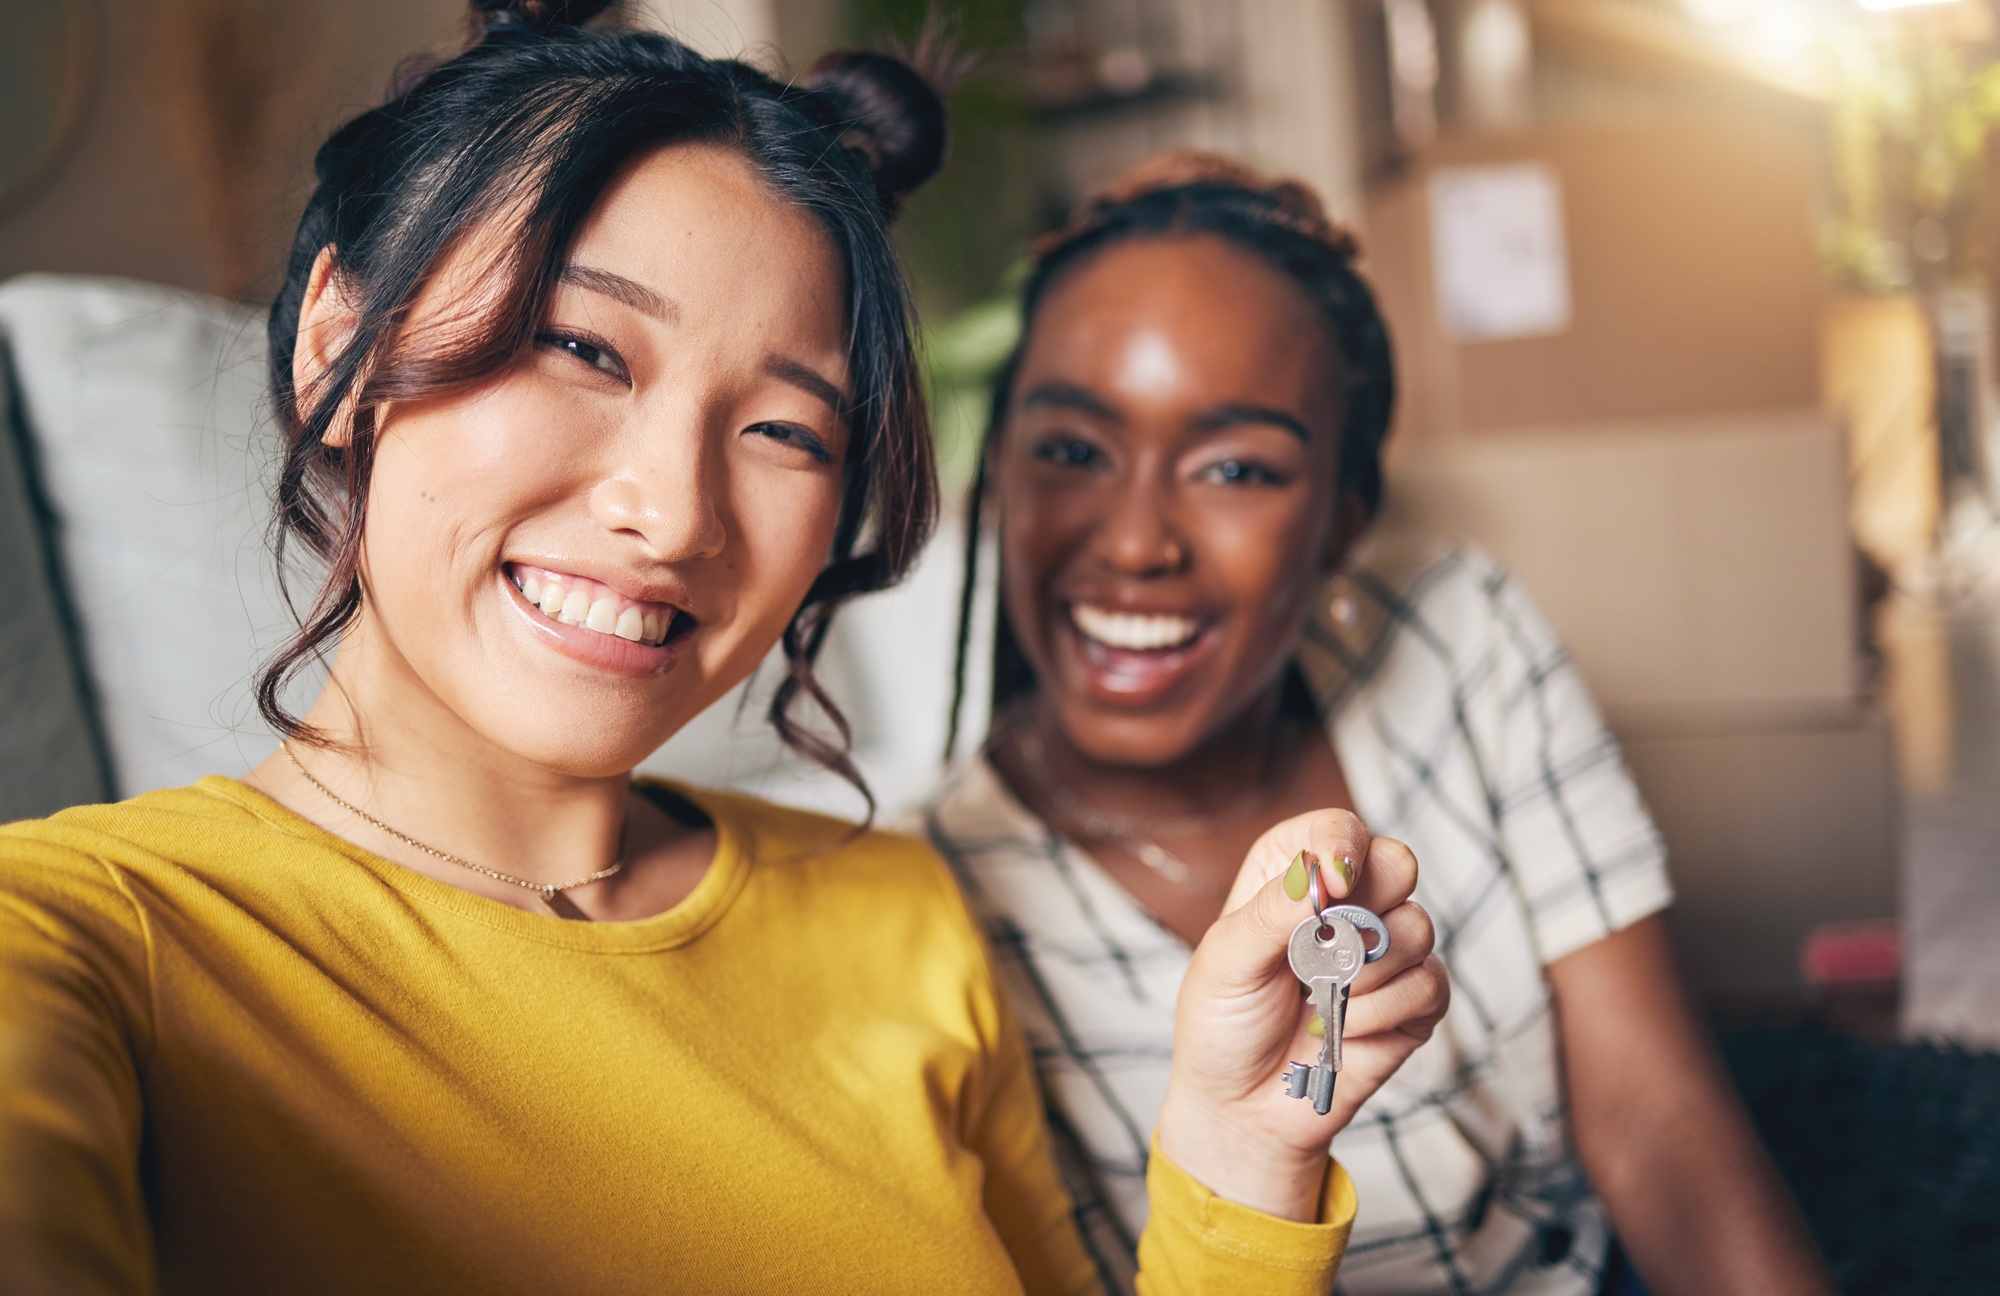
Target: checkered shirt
{"points": [[1464, 731]]}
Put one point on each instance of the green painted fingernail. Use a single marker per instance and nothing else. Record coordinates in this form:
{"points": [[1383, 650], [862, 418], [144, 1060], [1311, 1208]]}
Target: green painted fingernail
{"points": [[1295, 877], [1316, 1027], [1346, 870]]}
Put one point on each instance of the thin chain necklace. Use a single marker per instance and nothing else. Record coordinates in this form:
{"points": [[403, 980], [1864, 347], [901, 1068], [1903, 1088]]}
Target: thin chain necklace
{"points": [[1135, 835], [549, 890]]}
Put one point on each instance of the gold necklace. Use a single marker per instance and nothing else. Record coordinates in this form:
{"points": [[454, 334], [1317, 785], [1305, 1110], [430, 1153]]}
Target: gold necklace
{"points": [[549, 890]]}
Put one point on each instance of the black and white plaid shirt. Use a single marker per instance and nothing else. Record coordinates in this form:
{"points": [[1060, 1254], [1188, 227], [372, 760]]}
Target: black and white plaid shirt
{"points": [[1464, 731]]}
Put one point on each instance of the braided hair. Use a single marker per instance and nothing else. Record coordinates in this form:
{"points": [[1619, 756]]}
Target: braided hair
{"points": [[1180, 194]]}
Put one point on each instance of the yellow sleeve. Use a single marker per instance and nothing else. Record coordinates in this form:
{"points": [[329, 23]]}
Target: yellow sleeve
{"points": [[74, 1015], [1197, 1242]]}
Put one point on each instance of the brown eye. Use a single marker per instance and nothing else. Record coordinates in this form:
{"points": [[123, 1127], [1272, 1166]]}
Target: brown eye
{"points": [[1240, 472], [1068, 452], [593, 353], [794, 434]]}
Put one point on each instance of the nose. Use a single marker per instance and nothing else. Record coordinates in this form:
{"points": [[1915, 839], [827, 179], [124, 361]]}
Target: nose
{"points": [[1138, 537], [663, 493]]}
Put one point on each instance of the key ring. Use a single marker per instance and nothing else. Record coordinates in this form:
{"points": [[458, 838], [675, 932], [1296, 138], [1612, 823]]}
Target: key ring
{"points": [[1355, 914]]}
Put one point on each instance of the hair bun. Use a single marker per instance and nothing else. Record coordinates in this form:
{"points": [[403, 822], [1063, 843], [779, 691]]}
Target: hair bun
{"points": [[889, 112], [534, 15]]}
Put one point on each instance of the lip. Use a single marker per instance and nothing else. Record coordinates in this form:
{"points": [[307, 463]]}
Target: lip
{"points": [[1130, 677], [607, 653]]}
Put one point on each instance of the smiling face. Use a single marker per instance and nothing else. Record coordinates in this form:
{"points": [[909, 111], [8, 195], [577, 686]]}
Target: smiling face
{"points": [[1166, 479], [577, 558]]}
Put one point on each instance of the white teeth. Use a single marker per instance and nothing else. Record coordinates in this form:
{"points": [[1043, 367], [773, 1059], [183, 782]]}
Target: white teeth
{"points": [[1131, 631], [636, 623]]}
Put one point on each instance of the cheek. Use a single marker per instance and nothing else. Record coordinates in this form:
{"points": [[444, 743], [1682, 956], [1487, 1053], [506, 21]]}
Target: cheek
{"points": [[448, 480], [1268, 555], [783, 523], [1038, 532]]}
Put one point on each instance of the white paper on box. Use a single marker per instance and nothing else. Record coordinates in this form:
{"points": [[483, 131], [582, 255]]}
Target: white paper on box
{"points": [[1497, 251]]}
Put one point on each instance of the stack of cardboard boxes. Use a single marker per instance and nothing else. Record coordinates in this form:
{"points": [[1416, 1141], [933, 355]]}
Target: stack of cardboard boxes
{"points": [[1657, 468]]}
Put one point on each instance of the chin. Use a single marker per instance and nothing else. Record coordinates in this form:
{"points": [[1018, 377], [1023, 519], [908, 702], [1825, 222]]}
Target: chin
{"points": [[590, 738], [1134, 741]]}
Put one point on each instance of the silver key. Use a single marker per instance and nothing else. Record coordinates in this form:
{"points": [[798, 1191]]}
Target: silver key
{"points": [[1327, 953]]}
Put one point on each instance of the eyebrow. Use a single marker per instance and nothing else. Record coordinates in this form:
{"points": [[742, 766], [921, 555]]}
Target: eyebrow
{"points": [[808, 380], [620, 289], [1233, 415], [1070, 397]]}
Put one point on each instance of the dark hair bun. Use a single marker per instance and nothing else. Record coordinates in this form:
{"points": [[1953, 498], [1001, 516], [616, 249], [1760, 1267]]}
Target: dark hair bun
{"points": [[884, 108], [534, 15]]}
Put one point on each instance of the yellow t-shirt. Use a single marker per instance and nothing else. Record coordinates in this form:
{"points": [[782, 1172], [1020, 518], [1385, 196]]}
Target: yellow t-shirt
{"points": [[241, 1055]]}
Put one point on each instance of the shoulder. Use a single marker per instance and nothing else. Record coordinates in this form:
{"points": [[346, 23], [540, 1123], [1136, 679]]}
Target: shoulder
{"points": [[173, 827], [776, 834], [1404, 607], [885, 897], [877, 870], [81, 889], [1452, 590], [977, 824]]}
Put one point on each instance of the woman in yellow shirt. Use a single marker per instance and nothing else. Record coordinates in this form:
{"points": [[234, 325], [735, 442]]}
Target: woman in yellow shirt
{"points": [[595, 379]]}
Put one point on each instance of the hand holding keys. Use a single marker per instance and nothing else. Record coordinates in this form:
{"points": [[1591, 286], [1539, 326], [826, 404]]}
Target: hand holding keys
{"points": [[1327, 952], [1225, 1119]]}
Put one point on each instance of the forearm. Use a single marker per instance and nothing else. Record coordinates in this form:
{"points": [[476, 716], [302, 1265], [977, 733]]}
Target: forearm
{"points": [[1659, 1130], [1695, 1202]]}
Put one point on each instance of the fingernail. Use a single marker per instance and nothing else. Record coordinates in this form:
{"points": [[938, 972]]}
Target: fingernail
{"points": [[1316, 1027], [1295, 877], [1346, 867]]}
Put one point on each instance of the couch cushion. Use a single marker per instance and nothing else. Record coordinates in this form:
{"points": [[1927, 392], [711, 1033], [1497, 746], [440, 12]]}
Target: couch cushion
{"points": [[147, 411], [49, 754]]}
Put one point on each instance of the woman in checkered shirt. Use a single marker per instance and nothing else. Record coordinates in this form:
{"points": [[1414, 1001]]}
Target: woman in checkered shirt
{"points": [[1184, 449]]}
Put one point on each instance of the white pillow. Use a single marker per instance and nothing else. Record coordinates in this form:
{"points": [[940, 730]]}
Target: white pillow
{"points": [[147, 408]]}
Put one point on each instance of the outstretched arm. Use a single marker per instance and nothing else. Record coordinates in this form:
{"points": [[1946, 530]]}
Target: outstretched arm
{"points": [[1695, 1202], [73, 1000]]}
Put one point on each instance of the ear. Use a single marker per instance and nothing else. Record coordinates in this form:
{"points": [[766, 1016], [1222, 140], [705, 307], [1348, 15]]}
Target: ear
{"points": [[326, 322]]}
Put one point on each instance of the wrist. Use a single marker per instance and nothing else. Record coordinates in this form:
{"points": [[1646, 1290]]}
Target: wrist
{"points": [[1242, 1164]]}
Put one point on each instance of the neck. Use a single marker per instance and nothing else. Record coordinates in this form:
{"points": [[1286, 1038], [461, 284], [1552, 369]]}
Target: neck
{"points": [[1231, 766], [402, 755]]}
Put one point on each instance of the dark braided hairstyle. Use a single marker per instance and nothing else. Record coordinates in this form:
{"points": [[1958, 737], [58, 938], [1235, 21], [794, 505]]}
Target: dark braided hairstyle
{"points": [[523, 130], [1182, 194]]}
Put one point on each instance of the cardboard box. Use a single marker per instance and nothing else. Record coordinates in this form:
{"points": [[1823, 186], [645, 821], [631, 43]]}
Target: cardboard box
{"points": [[1700, 572], [1768, 835], [1692, 272], [1698, 569]]}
